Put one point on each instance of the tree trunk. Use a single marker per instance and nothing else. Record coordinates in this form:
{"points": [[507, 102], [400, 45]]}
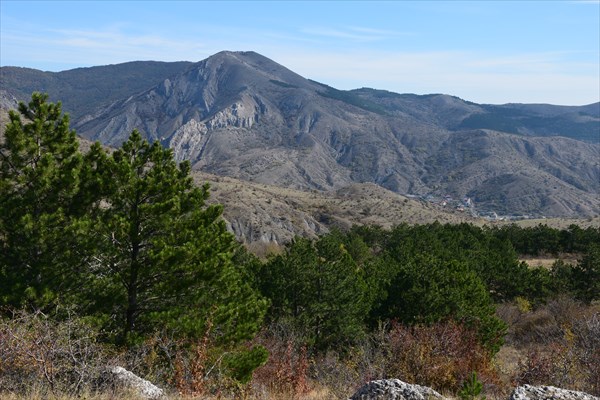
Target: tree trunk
{"points": [[132, 289]]}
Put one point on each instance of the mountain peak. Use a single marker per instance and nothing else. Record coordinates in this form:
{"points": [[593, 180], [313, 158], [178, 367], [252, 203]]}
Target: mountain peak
{"points": [[251, 65]]}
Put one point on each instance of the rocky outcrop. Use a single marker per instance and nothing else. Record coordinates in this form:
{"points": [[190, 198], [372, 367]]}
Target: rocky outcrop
{"points": [[240, 115], [8, 101], [395, 389], [141, 387], [528, 392], [189, 140]]}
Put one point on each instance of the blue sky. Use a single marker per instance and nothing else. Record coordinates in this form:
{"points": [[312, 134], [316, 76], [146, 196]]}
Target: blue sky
{"points": [[482, 51]]}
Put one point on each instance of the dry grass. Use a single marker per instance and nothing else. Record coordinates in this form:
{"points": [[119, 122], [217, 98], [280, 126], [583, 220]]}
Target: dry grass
{"points": [[316, 394], [559, 223], [40, 395], [507, 362], [547, 262], [259, 212], [556, 344], [267, 213]]}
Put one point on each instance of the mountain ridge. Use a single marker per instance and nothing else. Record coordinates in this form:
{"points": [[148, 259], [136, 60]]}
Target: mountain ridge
{"points": [[242, 115]]}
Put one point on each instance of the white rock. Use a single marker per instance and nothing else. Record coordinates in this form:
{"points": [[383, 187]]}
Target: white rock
{"points": [[528, 392], [394, 389], [142, 387]]}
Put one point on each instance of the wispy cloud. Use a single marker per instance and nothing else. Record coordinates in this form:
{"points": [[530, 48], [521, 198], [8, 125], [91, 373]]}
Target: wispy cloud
{"points": [[354, 33], [115, 40], [321, 54], [380, 32], [527, 78], [97, 47]]}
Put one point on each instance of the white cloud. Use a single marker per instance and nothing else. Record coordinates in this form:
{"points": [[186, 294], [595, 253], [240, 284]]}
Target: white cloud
{"points": [[118, 42], [354, 33], [380, 32], [86, 48], [528, 78], [552, 77]]}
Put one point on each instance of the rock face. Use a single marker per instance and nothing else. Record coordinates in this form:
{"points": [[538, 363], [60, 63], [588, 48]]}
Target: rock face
{"points": [[394, 389], [528, 392], [141, 387]]}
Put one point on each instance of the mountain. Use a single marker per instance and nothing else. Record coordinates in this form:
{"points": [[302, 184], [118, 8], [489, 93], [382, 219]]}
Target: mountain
{"points": [[242, 115], [454, 114], [83, 90]]}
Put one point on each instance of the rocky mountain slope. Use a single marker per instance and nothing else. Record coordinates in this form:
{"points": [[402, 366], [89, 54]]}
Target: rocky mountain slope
{"points": [[83, 90], [455, 114], [257, 212], [241, 115], [261, 215]]}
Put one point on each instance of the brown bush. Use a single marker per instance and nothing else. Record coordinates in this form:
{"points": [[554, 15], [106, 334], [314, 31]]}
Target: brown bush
{"points": [[286, 371], [42, 355], [441, 356], [535, 368], [561, 345], [341, 375], [542, 325], [587, 340], [190, 367]]}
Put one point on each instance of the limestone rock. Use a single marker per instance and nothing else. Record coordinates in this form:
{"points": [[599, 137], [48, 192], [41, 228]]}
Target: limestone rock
{"points": [[394, 389], [141, 387], [529, 392]]}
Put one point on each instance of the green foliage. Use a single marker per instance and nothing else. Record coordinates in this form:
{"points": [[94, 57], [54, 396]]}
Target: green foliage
{"points": [[320, 288], [562, 277], [128, 240], [125, 238], [40, 176], [283, 84], [543, 239], [166, 257], [429, 290], [586, 275], [471, 388], [352, 99], [242, 364], [377, 271], [414, 274]]}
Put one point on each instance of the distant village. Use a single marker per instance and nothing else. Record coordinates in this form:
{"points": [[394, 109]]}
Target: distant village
{"points": [[467, 205]]}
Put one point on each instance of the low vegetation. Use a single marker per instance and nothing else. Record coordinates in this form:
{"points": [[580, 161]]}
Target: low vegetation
{"points": [[116, 259]]}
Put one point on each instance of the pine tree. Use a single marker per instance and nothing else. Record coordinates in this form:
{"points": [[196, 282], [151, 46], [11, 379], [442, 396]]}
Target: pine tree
{"points": [[125, 238], [320, 290], [428, 289], [587, 275], [40, 167], [166, 257]]}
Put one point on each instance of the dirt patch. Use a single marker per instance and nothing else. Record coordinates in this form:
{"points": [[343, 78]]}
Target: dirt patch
{"points": [[547, 262]]}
